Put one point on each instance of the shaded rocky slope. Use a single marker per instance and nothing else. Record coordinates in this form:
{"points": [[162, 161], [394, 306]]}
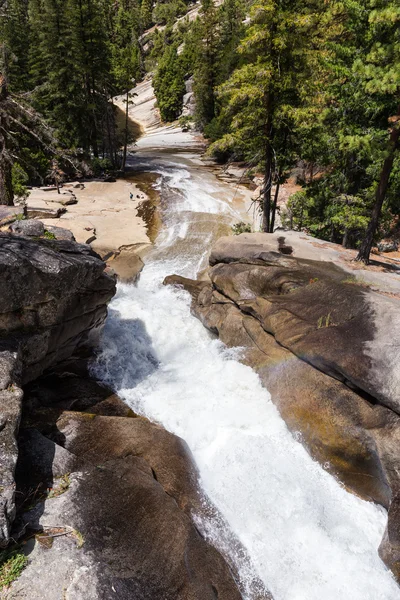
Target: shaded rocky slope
{"points": [[323, 347], [130, 490], [53, 300]]}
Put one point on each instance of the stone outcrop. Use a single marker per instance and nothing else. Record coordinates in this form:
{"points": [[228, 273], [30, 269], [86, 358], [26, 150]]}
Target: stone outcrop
{"points": [[128, 488], [10, 411], [53, 300], [327, 350]]}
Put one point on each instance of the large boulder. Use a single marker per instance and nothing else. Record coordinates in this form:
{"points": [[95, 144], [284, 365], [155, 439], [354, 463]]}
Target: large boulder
{"points": [[28, 227], [53, 301], [123, 490], [327, 350]]}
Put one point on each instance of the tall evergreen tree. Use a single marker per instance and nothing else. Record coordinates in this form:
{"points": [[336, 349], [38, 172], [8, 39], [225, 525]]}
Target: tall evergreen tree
{"points": [[14, 27], [263, 94], [206, 68], [169, 84], [380, 71], [146, 11]]}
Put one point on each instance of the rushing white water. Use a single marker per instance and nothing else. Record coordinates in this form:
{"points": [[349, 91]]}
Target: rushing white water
{"points": [[307, 538]]}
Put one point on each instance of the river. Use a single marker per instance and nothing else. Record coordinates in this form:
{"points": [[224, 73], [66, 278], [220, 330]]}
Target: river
{"points": [[306, 537]]}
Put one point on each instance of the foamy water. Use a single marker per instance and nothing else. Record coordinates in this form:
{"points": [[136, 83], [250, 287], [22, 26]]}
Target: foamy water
{"points": [[307, 538]]}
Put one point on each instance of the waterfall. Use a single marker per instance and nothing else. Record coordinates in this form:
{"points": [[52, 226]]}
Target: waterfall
{"points": [[306, 537]]}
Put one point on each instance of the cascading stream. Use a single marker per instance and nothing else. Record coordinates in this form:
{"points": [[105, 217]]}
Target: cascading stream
{"points": [[307, 538]]}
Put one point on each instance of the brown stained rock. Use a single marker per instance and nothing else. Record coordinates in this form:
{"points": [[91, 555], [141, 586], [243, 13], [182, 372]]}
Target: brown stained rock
{"points": [[316, 311], [193, 287], [130, 502], [100, 438], [325, 349], [127, 264]]}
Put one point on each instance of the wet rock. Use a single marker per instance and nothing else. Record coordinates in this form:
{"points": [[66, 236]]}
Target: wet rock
{"points": [[126, 263], [70, 387], [325, 348], [41, 460], [28, 227], [193, 287]]}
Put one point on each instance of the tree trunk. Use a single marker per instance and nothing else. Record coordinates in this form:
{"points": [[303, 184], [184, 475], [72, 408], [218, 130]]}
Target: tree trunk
{"points": [[126, 132], [345, 237], [6, 190], [268, 166], [273, 213], [366, 246]]}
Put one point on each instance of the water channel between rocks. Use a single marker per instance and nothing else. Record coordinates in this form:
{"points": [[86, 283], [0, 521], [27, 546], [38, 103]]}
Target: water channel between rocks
{"points": [[306, 537]]}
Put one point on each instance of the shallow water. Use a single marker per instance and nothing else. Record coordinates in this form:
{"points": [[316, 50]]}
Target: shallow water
{"points": [[307, 538]]}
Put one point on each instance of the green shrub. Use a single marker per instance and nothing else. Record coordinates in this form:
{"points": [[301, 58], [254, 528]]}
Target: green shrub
{"points": [[12, 563], [19, 179], [241, 227], [101, 165]]}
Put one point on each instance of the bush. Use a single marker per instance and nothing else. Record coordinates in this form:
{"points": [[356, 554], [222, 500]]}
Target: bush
{"points": [[19, 179], [241, 227], [101, 166], [185, 123]]}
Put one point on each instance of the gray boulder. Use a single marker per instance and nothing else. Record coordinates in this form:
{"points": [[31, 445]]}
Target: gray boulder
{"points": [[53, 300], [392, 246], [28, 228]]}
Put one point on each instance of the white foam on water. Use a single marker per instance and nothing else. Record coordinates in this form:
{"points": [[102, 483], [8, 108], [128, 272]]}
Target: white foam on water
{"points": [[307, 538]]}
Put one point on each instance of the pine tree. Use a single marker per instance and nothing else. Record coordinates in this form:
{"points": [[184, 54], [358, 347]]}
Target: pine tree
{"points": [[263, 94], [146, 14], [381, 75], [169, 85], [6, 190], [14, 33], [206, 68], [231, 16]]}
